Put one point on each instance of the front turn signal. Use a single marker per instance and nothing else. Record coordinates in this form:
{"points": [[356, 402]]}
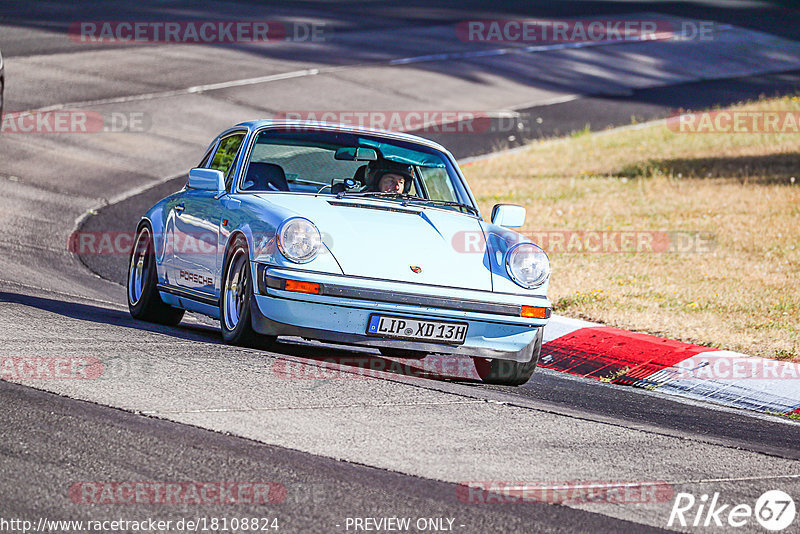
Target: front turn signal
{"points": [[533, 312], [302, 287]]}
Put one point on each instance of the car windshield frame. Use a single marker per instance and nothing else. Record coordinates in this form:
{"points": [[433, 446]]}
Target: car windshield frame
{"points": [[464, 204]]}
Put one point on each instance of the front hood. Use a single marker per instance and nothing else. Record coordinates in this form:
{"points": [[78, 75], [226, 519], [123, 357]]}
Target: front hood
{"points": [[383, 239]]}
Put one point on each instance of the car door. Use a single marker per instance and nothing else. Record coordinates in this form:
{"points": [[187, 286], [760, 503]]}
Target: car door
{"points": [[197, 223]]}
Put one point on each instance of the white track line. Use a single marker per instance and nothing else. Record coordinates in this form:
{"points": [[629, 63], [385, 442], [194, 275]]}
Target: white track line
{"points": [[197, 89], [622, 484], [315, 407]]}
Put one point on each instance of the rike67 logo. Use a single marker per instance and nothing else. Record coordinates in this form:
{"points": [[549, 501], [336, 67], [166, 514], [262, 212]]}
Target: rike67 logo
{"points": [[774, 510]]}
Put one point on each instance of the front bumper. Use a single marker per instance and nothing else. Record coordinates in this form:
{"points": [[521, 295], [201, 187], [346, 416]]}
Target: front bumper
{"points": [[341, 313]]}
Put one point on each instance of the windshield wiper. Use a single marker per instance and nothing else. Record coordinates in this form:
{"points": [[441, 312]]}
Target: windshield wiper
{"points": [[411, 198], [383, 194], [305, 182], [378, 194], [445, 203]]}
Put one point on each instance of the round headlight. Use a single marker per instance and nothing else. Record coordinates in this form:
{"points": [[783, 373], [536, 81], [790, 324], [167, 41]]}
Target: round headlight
{"points": [[299, 240], [527, 265]]}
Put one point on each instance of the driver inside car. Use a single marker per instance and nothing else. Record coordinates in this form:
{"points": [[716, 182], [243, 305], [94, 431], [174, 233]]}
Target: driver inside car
{"points": [[391, 183], [390, 179]]}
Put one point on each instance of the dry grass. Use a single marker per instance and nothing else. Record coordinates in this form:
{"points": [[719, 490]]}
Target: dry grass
{"points": [[743, 188]]}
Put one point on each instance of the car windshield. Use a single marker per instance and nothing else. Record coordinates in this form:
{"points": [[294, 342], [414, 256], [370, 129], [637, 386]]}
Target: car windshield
{"points": [[346, 164]]}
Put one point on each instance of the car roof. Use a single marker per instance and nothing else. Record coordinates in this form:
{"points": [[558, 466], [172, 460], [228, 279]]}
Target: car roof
{"points": [[256, 124]]}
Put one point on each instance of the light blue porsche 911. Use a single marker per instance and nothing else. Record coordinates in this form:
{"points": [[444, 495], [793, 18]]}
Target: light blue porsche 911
{"points": [[344, 235]]}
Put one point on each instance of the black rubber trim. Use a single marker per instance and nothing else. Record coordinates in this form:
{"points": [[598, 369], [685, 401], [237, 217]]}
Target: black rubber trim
{"points": [[335, 290], [262, 266], [374, 207], [188, 294]]}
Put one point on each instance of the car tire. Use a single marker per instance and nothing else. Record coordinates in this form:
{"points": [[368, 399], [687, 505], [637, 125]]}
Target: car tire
{"points": [[507, 372], [144, 302], [236, 296]]}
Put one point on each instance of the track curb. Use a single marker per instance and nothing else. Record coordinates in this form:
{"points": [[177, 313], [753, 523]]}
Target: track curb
{"points": [[646, 361]]}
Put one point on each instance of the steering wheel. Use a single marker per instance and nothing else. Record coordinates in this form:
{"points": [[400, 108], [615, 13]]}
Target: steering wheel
{"points": [[321, 189]]}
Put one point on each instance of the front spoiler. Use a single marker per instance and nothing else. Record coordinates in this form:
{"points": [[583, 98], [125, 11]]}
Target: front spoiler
{"points": [[268, 327], [339, 313]]}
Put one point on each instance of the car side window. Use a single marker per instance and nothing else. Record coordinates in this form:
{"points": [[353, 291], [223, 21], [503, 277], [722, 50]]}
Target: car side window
{"points": [[226, 155], [438, 184]]}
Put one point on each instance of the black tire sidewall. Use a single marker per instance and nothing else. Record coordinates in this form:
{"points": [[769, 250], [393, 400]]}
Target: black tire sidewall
{"points": [[141, 307], [243, 333], [508, 372]]}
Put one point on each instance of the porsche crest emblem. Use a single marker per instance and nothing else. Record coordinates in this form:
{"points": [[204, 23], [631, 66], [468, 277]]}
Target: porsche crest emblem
{"points": [[415, 269]]}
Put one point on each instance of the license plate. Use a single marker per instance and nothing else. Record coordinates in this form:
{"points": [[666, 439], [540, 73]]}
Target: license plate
{"points": [[417, 329]]}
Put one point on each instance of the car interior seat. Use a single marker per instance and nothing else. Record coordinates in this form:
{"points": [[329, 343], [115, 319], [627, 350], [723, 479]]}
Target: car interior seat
{"points": [[262, 176]]}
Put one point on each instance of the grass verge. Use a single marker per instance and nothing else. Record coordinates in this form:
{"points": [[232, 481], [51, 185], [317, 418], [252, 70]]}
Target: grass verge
{"points": [[730, 201]]}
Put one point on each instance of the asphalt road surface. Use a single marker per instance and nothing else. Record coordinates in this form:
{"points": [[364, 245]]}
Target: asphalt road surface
{"points": [[175, 405]]}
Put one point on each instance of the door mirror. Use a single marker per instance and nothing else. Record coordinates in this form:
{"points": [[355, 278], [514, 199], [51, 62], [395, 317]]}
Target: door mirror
{"points": [[207, 180], [508, 215]]}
